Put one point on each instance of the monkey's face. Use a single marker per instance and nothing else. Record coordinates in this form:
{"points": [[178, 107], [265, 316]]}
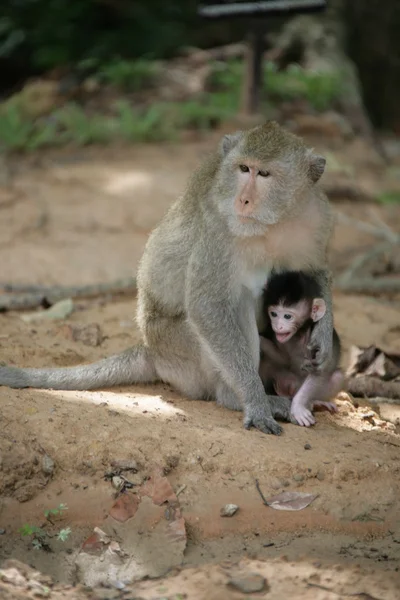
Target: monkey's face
{"points": [[264, 176], [256, 195], [285, 321]]}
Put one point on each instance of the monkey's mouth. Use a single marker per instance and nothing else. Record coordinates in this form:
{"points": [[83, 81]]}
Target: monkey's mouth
{"points": [[283, 337]]}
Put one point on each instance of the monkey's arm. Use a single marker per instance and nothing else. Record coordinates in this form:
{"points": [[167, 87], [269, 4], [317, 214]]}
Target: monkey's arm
{"points": [[216, 322], [320, 345]]}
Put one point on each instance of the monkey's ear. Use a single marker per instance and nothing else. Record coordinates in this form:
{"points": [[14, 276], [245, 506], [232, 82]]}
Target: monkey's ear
{"points": [[228, 142], [316, 166], [318, 309]]}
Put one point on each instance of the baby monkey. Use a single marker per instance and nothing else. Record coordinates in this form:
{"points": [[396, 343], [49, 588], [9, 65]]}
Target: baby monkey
{"points": [[292, 304]]}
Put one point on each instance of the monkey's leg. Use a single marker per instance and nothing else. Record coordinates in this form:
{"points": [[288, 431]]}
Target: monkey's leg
{"points": [[178, 358], [311, 391], [232, 347], [227, 397], [135, 365], [333, 386]]}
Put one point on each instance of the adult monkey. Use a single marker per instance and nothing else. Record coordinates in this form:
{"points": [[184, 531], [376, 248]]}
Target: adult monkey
{"points": [[250, 207]]}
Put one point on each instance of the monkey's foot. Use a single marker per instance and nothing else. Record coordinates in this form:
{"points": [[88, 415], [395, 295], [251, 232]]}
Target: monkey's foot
{"points": [[331, 406], [255, 416], [303, 416]]}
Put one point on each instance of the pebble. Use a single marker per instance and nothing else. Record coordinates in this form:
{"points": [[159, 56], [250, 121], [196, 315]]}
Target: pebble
{"points": [[47, 465], [117, 482], [2, 531], [229, 510], [307, 446], [298, 477], [320, 475], [248, 584]]}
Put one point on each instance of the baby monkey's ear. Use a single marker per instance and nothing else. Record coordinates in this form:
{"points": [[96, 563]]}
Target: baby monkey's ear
{"points": [[318, 309]]}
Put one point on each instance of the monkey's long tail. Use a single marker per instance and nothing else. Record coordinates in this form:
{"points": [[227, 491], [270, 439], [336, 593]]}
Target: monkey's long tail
{"points": [[135, 365]]}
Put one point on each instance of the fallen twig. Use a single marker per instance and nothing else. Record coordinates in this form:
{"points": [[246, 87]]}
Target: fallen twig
{"points": [[369, 285], [383, 232], [372, 387], [43, 296], [349, 281], [348, 275], [260, 492]]}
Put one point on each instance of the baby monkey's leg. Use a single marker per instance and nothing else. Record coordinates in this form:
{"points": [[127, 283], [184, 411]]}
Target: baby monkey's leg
{"points": [[316, 390], [333, 387]]}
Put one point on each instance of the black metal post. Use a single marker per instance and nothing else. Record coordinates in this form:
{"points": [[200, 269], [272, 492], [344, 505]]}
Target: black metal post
{"points": [[252, 80]]}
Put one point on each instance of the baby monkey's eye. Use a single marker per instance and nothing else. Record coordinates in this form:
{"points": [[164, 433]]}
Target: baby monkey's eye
{"points": [[263, 173], [287, 317], [244, 168], [273, 314]]}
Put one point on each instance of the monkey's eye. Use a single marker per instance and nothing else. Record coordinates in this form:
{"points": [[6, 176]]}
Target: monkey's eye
{"points": [[244, 168], [263, 173], [287, 317], [273, 314]]}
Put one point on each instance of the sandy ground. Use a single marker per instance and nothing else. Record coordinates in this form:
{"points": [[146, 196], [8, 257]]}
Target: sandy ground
{"points": [[84, 217]]}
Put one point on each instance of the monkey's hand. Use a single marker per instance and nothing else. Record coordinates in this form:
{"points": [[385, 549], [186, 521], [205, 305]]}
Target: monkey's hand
{"points": [[260, 417], [319, 348], [302, 416]]}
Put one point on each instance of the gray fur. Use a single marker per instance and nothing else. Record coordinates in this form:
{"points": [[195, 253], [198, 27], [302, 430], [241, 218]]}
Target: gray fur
{"points": [[199, 283]]}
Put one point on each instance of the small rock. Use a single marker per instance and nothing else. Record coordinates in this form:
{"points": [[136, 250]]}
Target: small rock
{"points": [[298, 477], [90, 335], [229, 510], [2, 531], [249, 584], [117, 482], [368, 415], [47, 465], [320, 475], [307, 446], [60, 310], [119, 585], [25, 493]]}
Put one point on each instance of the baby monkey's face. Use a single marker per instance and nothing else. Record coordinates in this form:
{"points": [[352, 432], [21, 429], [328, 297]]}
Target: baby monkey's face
{"points": [[286, 320]]}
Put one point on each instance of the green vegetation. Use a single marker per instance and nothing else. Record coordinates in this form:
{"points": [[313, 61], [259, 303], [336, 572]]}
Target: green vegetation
{"points": [[41, 535], [389, 197], [320, 89], [156, 121], [130, 75], [43, 34]]}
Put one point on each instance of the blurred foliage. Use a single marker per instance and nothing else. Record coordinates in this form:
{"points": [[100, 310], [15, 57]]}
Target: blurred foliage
{"points": [[320, 89], [49, 33], [155, 121], [389, 197], [71, 124], [128, 75]]}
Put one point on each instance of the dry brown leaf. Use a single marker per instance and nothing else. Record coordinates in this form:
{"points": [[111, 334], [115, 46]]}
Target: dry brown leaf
{"points": [[291, 500]]}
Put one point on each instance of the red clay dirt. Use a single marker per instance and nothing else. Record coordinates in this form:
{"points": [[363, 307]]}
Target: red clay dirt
{"points": [[84, 217]]}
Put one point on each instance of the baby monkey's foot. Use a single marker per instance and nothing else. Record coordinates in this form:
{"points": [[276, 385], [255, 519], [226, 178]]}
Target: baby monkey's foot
{"points": [[331, 406], [303, 416]]}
